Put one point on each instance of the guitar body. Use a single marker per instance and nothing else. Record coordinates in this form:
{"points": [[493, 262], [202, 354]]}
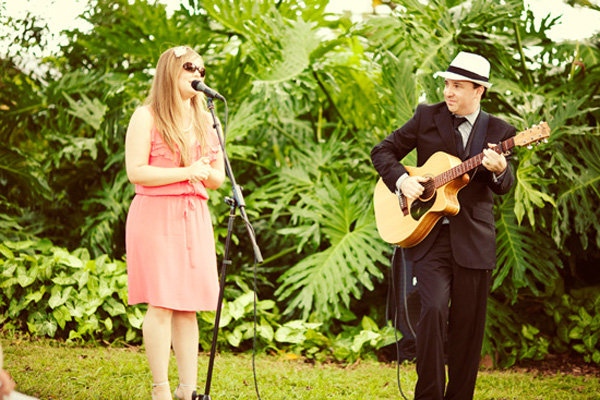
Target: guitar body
{"points": [[406, 223], [410, 229]]}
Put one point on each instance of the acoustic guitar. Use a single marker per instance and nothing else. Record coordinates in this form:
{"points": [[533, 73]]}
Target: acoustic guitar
{"points": [[406, 222]]}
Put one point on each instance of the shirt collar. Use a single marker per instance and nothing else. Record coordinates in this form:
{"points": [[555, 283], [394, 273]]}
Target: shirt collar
{"points": [[473, 116]]}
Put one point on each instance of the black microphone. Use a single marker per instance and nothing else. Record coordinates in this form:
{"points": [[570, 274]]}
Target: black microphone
{"points": [[201, 87]]}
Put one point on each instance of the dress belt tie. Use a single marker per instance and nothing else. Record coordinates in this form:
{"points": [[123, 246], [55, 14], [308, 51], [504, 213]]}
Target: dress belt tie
{"points": [[189, 208]]}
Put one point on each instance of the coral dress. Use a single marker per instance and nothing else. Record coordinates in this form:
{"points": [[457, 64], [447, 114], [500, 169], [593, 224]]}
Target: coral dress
{"points": [[171, 258]]}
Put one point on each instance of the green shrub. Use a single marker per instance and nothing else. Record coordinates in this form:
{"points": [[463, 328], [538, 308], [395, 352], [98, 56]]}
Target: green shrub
{"points": [[563, 322], [577, 320], [48, 291], [510, 336]]}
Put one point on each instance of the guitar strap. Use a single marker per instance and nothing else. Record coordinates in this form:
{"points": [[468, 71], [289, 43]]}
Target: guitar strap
{"points": [[477, 137], [478, 134]]}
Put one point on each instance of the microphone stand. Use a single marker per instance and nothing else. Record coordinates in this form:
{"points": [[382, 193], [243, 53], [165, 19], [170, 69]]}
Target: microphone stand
{"points": [[237, 202]]}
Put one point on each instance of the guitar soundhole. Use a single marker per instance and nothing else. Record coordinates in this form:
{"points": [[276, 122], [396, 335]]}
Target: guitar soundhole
{"points": [[419, 207]]}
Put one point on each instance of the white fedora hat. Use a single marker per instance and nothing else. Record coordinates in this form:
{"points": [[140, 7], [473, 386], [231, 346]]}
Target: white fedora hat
{"points": [[468, 67]]}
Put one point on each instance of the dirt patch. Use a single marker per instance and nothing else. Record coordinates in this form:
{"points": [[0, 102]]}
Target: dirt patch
{"points": [[563, 364]]}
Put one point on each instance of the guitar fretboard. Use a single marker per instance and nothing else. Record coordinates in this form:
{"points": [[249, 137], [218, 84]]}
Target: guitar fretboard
{"points": [[470, 164]]}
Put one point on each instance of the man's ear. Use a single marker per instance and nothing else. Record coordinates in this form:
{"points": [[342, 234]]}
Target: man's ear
{"points": [[480, 90]]}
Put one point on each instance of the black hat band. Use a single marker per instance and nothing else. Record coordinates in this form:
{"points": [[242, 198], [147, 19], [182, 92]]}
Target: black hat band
{"points": [[467, 73]]}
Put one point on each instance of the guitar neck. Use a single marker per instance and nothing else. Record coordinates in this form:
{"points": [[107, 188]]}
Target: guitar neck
{"points": [[470, 164]]}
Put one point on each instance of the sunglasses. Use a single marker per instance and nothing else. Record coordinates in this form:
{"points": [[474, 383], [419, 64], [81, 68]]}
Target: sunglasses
{"points": [[191, 67]]}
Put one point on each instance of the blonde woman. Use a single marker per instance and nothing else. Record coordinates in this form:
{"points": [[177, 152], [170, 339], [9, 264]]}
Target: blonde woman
{"points": [[172, 156]]}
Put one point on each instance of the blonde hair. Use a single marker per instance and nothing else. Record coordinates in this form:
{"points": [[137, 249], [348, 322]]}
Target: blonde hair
{"points": [[167, 106]]}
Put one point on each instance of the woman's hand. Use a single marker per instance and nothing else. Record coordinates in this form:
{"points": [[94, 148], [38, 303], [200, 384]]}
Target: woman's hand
{"points": [[200, 170]]}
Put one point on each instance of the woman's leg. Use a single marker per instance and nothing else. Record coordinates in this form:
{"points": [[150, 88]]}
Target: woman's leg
{"points": [[185, 345], [157, 340]]}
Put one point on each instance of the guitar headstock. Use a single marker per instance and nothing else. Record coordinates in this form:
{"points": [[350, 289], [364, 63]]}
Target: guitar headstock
{"points": [[533, 134]]}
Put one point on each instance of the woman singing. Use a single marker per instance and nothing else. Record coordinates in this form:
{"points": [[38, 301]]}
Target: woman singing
{"points": [[172, 156]]}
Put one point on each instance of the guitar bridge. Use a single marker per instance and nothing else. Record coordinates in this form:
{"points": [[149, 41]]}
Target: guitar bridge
{"points": [[403, 204]]}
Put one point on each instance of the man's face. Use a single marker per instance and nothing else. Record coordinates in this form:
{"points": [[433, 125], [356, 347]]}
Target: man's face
{"points": [[462, 98]]}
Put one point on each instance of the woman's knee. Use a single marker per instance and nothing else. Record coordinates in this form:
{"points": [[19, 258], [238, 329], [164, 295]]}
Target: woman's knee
{"points": [[184, 318], [158, 315]]}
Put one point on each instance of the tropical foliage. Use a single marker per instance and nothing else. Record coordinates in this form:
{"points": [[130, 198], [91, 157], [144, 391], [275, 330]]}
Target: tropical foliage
{"points": [[309, 94], [47, 291]]}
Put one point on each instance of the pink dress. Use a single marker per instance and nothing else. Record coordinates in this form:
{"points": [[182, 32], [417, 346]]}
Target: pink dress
{"points": [[169, 239]]}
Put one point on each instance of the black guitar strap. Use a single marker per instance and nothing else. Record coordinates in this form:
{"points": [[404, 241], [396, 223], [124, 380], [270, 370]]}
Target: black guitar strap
{"points": [[478, 134], [477, 137]]}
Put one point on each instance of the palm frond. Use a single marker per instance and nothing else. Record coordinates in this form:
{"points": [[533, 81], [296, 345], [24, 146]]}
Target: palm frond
{"points": [[325, 281], [579, 197], [105, 211], [530, 186], [526, 259], [21, 175]]}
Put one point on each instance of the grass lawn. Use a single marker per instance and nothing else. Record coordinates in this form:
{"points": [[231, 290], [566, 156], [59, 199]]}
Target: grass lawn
{"points": [[53, 370]]}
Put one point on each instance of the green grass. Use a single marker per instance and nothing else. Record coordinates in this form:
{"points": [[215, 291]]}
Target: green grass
{"points": [[53, 370]]}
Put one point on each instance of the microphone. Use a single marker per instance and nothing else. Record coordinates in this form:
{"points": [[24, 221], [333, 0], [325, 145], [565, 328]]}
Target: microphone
{"points": [[201, 87]]}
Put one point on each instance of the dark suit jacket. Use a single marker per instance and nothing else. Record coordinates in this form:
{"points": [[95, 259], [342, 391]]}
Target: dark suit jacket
{"points": [[472, 230]]}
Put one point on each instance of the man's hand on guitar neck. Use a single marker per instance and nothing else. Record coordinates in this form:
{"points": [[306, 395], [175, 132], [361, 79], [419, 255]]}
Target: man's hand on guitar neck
{"points": [[493, 161], [411, 186]]}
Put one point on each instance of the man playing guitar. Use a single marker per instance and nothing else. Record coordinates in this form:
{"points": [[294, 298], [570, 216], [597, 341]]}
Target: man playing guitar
{"points": [[454, 262]]}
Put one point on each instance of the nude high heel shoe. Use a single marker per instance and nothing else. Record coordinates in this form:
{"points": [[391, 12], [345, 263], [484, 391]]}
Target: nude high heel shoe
{"points": [[156, 387], [182, 386]]}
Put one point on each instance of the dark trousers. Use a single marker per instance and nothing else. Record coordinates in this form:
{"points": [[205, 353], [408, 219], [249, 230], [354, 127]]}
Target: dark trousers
{"points": [[453, 309]]}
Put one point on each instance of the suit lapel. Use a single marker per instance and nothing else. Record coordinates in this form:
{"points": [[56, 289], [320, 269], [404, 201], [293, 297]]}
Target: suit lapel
{"points": [[443, 122]]}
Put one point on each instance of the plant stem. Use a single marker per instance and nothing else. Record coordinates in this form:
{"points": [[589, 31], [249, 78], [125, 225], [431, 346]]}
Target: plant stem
{"points": [[522, 54]]}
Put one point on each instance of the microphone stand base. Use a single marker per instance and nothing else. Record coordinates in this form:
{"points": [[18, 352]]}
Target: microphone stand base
{"points": [[200, 396]]}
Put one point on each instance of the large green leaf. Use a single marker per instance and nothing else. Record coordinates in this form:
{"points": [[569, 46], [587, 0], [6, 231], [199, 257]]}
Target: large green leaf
{"points": [[325, 281], [527, 260], [530, 184], [578, 200]]}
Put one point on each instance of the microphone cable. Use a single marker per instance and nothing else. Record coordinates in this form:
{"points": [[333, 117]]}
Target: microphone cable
{"points": [[394, 294], [255, 280], [254, 312], [254, 338], [225, 122]]}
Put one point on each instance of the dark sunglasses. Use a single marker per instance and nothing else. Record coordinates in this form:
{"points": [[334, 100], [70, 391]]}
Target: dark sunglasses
{"points": [[191, 67]]}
